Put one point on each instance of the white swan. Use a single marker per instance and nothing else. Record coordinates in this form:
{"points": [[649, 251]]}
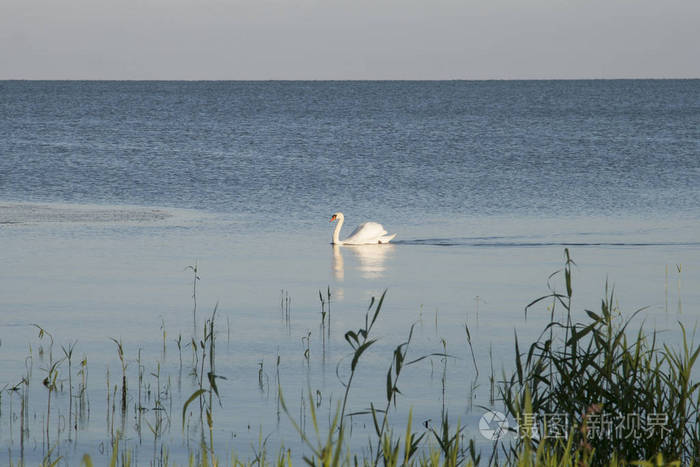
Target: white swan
{"points": [[364, 234]]}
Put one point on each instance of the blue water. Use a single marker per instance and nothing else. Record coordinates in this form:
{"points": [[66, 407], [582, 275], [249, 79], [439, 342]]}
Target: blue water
{"points": [[109, 190], [298, 150]]}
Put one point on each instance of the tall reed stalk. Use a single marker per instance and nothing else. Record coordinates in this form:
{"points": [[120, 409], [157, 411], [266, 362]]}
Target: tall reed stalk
{"points": [[621, 393]]}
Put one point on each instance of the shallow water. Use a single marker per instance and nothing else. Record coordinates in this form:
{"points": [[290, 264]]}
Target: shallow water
{"points": [[110, 190]]}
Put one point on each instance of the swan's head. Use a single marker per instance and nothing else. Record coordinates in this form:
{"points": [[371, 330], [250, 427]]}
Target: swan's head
{"points": [[336, 217]]}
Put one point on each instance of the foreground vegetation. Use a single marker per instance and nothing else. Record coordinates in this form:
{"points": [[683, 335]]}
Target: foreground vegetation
{"points": [[589, 391], [618, 395]]}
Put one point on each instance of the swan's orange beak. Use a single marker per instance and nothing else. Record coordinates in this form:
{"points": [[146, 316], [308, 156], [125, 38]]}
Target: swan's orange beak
{"points": [[332, 219]]}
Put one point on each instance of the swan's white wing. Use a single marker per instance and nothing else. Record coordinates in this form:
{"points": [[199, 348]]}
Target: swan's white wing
{"points": [[369, 232]]}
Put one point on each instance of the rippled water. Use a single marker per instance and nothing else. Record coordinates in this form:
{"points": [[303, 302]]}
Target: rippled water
{"points": [[109, 190], [296, 150]]}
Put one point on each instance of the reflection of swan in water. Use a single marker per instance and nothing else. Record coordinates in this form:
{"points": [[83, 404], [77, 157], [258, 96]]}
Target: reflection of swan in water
{"points": [[370, 260], [338, 269]]}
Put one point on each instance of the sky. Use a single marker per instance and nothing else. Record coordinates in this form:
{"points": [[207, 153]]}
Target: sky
{"points": [[349, 39]]}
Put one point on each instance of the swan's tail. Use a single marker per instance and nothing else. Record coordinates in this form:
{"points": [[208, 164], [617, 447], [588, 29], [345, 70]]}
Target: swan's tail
{"points": [[386, 238]]}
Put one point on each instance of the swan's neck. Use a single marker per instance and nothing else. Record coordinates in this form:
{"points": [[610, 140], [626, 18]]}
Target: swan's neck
{"points": [[336, 232]]}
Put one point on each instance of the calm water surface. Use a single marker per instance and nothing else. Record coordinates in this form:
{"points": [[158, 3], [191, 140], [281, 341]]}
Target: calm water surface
{"points": [[109, 190]]}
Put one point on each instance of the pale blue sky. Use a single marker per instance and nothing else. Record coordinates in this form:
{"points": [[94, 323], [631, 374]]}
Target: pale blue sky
{"points": [[349, 39]]}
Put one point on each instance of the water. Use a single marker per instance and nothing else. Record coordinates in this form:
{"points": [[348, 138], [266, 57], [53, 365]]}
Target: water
{"points": [[109, 190]]}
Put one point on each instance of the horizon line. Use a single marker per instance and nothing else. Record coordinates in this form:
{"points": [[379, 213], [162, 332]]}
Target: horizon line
{"points": [[263, 80]]}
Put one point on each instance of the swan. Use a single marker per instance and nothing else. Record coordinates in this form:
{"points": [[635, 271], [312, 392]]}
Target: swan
{"points": [[364, 234]]}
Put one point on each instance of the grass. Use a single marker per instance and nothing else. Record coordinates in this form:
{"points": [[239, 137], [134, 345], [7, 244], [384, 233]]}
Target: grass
{"points": [[584, 366], [623, 394]]}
